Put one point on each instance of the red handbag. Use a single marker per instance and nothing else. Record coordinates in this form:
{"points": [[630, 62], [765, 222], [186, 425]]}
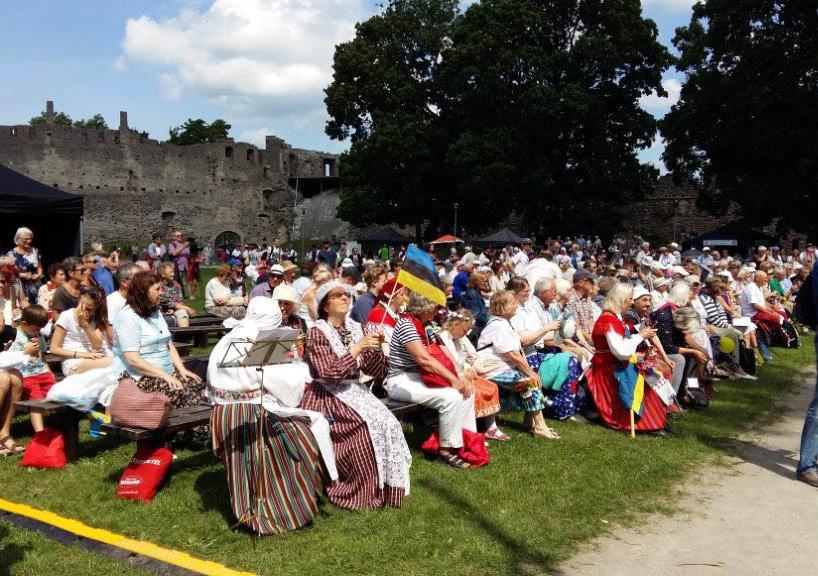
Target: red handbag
{"points": [[434, 380], [46, 450], [435, 351]]}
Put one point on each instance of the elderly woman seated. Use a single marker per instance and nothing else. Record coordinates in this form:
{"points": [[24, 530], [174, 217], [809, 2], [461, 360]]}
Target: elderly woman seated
{"points": [[371, 453], [408, 358], [219, 299], [615, 345], [501, 351], [288, 472], [469, 366], [672, 339]]}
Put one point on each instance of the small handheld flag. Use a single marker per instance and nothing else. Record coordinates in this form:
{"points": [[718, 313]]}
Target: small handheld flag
{"points": [[631, 386], [418, 273]]}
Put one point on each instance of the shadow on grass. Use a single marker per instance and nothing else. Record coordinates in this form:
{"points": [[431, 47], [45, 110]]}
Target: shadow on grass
{"points": [[212, 489], [10, 554], [526, 560]]}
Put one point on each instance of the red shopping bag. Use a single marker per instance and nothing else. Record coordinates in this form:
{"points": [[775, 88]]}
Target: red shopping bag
{"points": [[144, 474], [46, 450], [474, 449]]}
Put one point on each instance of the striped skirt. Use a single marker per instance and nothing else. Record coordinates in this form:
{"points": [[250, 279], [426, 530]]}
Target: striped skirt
{"points": [[289, 477], [358, 486]]}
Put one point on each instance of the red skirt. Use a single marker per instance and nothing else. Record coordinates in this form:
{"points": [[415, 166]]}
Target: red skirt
{"points": [[604, 389]]}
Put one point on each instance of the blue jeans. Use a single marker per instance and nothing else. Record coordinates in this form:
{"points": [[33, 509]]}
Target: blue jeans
{"points": [[809, 437]]}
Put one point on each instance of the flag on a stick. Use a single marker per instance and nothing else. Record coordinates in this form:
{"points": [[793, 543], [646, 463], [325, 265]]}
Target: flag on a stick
{"points": [[631, 386], [418, 273]]}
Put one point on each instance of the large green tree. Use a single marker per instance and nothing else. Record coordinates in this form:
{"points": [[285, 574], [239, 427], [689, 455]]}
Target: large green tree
{"points": [[543, 98], [513, 105], [746, 125], [198, 131], [384, 97]]}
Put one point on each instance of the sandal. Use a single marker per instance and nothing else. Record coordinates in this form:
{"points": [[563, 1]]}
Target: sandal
{"points": [[452, 460], [8, 450], [497, 434], [549, 433]]}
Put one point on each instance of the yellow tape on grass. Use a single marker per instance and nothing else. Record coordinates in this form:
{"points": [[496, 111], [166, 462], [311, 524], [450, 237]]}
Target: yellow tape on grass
{"points": [[147, 549]]}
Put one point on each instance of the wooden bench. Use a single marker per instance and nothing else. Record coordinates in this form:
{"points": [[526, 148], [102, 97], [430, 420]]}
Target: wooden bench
{"points": [[198, 334], [401, 409], [181, 419]]}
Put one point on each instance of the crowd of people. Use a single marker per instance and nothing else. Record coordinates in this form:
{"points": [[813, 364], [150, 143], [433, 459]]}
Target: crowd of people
{"points": [[553, 333]]}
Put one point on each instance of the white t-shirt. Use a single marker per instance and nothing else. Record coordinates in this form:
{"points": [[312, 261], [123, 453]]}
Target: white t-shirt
{"points": [[752, 294], [526, 321], [500, 337], [75, 337], [115, 302], [520, 261]]}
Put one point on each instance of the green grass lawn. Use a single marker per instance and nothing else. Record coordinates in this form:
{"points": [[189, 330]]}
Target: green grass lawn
{"points": [[522, 514]]}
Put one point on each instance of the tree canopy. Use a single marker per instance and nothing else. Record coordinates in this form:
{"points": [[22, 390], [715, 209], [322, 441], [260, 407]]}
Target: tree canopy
{"points": [[198, 131], [745, 126], [511, 105], [63, 119]]}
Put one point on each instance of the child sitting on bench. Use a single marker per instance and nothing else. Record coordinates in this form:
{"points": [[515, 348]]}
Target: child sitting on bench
{"points": [[37, 377]]}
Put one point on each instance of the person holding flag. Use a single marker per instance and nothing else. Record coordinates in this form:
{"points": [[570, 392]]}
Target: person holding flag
{"points": [[617, 387]]}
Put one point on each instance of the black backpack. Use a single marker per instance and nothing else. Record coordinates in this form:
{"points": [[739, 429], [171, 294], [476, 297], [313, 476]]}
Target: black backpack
{"points": [[804, 311]]}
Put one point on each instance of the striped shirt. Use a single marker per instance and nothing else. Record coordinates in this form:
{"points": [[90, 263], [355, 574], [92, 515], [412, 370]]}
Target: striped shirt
{"points": [[716, 315], [400, 360]]}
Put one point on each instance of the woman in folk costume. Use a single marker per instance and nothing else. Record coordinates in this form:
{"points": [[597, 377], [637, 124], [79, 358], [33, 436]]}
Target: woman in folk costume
{"points": [[370, 450], [295, 441], [615, 345]]}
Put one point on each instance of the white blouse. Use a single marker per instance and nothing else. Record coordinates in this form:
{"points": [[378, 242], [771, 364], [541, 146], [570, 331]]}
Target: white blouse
{"points": [[622, 348]]}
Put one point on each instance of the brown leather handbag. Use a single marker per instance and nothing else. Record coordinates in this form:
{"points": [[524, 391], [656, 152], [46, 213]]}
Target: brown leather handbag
{"points": [[132, 407]]}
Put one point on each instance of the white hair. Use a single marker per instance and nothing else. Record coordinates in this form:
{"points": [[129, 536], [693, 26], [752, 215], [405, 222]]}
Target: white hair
{"points": [[543, 284], [22, 231], [96, 246], [616, 300], [564, 287], [680, 294]]}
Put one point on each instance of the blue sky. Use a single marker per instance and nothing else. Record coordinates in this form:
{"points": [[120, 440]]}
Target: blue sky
{"points": [[259, 64]]}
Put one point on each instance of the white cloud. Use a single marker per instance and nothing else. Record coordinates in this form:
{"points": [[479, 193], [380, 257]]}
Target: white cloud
{"points": [[671, 5], [656, 104], [255, 137], [255, 58]]}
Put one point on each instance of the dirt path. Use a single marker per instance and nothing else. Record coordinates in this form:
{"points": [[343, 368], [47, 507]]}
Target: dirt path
{"points": [[751, 518]]}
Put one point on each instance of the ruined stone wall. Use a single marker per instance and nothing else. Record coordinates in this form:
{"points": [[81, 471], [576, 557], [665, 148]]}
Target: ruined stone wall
{"points": [[134, 186], [670, 213]]}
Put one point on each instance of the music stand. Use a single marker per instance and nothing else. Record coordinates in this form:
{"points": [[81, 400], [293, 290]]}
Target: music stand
{"points": [[276, 346]]}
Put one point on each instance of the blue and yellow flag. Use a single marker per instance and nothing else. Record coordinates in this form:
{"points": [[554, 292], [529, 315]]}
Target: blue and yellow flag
{"points": [[631, 385], [418, 273]]}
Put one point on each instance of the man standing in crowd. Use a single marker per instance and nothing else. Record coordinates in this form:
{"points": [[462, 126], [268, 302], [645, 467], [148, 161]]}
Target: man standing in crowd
{"points": [[276, 252], [179, 253], [375, 278], [156, 250], [328, 256], [807, 470]]}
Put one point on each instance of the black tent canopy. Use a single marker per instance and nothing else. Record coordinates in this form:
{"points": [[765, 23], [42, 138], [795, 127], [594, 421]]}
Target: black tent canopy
{"points": [[54, 216], [736, 236], [386, 235], [500, 238]]}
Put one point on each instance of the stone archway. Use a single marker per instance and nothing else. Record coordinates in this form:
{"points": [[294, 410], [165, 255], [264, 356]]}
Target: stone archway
{"points": [[227, 238]]}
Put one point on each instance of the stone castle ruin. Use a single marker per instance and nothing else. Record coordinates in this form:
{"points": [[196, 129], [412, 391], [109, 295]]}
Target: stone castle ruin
{"points": [[215, 192]]}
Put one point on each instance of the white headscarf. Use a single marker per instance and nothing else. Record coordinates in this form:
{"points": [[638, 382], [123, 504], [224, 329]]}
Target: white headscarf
{"points": [[283, 383]]}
